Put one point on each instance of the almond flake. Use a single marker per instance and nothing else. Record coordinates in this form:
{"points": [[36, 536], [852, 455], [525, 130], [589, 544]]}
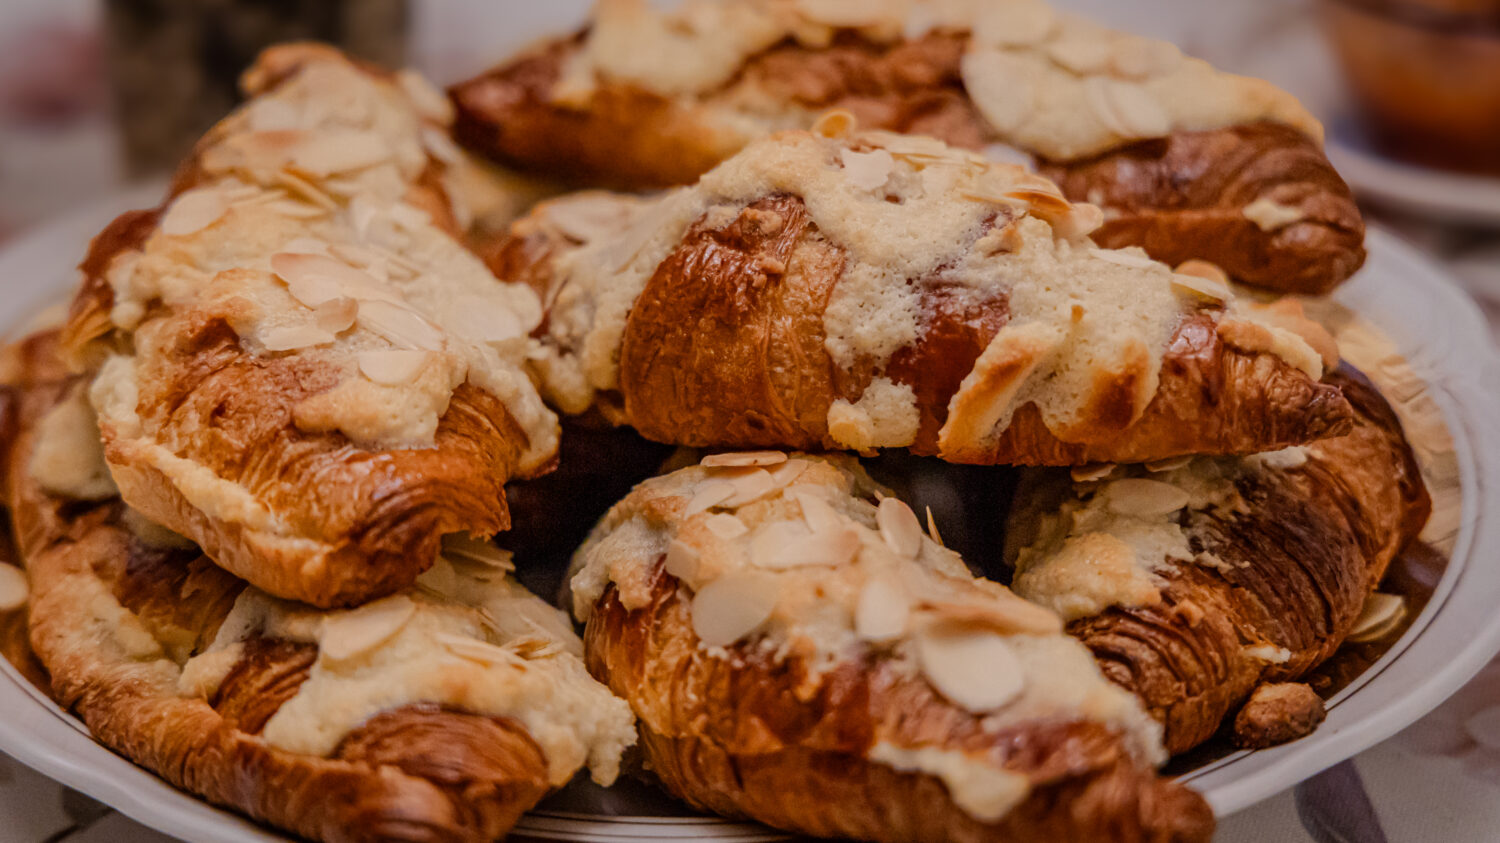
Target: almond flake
{"points": [[784, 473], [899, 527], [1082, 56], [1168, 464], [1126, 108], [708, 494], [357, 631], [295, 209], [425, 97], [13, 588], [1001, 88], [307, 246], [400, 325], [340, 152], [725, 526], [932, 529], [1203, 269], [269, 114], [1382, 613], [480, 551], [441, 147], [409, 216], [1092, 471], [193, 211], [733, 606], [294, 337], [867, 170], [882, 611], [1000, 610], [1209, 289], [1081, 220], [750, 484], [974, 669], [315, 279], [818, 513], [474, 650], [682, 560], [1142, 498], [1143, 58], [392, 368], [743, 459], [834, 124], [1126, 258], [301, 188], [336, 315], [789, 544]]}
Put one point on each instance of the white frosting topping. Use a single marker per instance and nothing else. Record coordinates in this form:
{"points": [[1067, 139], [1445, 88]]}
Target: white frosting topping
{"points": [[68, 457], [467, 637]]}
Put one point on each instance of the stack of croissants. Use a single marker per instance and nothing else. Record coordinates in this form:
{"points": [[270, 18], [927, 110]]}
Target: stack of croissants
{"points": [[278, 478]]}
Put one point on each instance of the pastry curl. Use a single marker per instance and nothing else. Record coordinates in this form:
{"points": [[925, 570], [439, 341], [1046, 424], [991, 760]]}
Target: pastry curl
{"points": [[1196, 583], [798, 655], [296, 364], [441, 713], [1180, 155], [882, 291]]}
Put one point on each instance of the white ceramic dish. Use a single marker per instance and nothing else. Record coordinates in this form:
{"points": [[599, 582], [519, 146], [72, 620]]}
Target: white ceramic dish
{"points": [[1433, 323]]}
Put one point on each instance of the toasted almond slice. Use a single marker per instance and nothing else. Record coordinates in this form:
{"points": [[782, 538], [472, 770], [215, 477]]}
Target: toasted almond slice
{"points": [[1092, 471], [409, 216], [332, 152], [932, 529], [743, 459], [1143, 498], [355, 632], [750, 484], [867, 170], [1168, 464], [303, 189], [725, 526], [1001, 87], [1081, 220], [1382, 613], [294, 337], [480, 320], [974, 669], [441, 146], [315, 279], [1081, 56], [193, 211], [682, 560], [392, 368], [733, 606], [307, 246], [818, 513], [402, 326], [789, 544], [1143, 58], [270, 114], [708, 494], [14, 588], [474, 650], [480, 551], [783, 474], [296, 209], [1203, 269], [837, 123], [336, 315], [425, 97], [999, 609], [1126, 108], [882, 612], [1126, 258], [899, 527], [1202, 286]]}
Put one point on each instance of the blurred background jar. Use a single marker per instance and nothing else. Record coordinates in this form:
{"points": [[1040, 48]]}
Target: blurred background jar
{"points": [[1425, 75], [174, 65]]}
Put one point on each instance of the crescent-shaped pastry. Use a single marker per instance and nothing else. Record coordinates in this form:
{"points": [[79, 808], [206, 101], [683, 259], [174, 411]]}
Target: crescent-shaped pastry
{"points": [[886, 291], [798, 654], [1188, 161], [298, 365], [1196, 581], [440, 713]]}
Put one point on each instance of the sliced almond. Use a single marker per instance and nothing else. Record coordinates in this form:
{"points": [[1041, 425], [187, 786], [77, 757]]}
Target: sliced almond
{"points": [[867, 170], [1000, 610], [1213, 290], [1080, 220], [1143, 58], [1082, 56], [474, 650], [358, 631], [194, 211], [441, 146], [304, 189], [1203, 269], [750, 484], [932, 529], [882, 612], [682, 561], [400, 325], [1092, 471], [1381, 615], [974, 669], [1123, 257], [733, 606], [1126, 108], [296, 209], [1143, 498], [425, 97], [783, 474], [743, 459], [395, 367], [307, 246], [789, 544], [336, 315], [837, 123], [899, 528], [409, 216], [707, 495], [818, 513], [478, 551], [295, 337], [332, 152], [725, 526], [13, 588], [1168, 464], [314, 279]]}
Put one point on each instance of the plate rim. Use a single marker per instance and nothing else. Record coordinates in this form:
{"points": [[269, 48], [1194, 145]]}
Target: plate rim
{"points": [[41, 735]]}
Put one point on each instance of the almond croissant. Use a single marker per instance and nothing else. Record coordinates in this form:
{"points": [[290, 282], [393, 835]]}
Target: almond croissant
{"points": [[798, 655], [1190, 162], [882, 291], [440, 713], [1196, 583], [297, 364]]}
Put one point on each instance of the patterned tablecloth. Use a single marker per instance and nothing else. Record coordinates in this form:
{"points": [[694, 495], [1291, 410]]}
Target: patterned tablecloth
{"points": [[1437, 781]]}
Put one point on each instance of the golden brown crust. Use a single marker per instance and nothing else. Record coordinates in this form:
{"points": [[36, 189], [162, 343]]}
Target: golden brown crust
{"points": [[1294, 572], [1185, 197], [725, 347], [743, 736], [413, 773], [1180, 197]]}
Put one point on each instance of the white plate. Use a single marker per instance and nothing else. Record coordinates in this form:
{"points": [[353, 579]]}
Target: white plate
{"points": [[1433, 323]]}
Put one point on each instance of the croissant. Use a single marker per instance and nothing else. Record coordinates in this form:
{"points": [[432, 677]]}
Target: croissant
{"points": [[296, 364], [884, 291], [1188, 161], [798, 655], [440, 713], [1197, 582]]}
